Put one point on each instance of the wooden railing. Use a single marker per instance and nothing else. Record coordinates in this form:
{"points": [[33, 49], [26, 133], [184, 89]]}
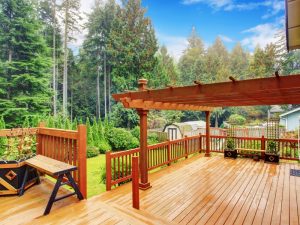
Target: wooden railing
{"points": [[118, 164], [64, 145]]}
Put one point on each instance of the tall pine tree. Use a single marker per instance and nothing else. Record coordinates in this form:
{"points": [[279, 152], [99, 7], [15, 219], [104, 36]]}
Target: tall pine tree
{"points": [[25, 63], [132, 45]]}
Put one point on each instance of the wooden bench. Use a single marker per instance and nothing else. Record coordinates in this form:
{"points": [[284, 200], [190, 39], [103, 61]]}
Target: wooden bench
{"points": [[57, 169], [250, 150]]}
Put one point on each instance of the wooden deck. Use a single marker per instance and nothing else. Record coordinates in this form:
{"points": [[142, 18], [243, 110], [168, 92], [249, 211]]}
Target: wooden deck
{"points": [[199, 190]]}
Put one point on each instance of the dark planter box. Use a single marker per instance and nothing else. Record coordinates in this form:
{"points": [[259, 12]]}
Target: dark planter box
{"points": [[271, 158], [230, 153], [12, 174], [256, 158]]}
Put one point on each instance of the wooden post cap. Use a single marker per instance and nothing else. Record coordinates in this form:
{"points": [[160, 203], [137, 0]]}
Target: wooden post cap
{"points": [[142, 83]]}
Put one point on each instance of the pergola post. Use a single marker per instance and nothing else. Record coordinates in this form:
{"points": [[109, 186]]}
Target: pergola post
{"points": [[207, 115], [144, 184]]}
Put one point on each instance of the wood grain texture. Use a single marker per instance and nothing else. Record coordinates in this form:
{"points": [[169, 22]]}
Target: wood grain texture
{"points": [[199, 190], [49, 166]]}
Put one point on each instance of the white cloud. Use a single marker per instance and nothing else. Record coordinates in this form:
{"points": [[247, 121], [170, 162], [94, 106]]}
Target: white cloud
{"points": [[225, 38], [261, 35], [273, 6], [175, 44]]}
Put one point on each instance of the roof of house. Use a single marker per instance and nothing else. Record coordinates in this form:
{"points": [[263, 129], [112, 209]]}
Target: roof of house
{"points": [[188, 126], [290, 112], [276, 109]]}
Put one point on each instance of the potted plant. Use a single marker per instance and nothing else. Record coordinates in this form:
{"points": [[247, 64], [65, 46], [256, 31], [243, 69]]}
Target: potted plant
{"points": [[272, 153], [230, 150], [12, 165]]}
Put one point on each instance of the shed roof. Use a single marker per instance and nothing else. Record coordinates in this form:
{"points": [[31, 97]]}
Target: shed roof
{"points": [[290, 112]]}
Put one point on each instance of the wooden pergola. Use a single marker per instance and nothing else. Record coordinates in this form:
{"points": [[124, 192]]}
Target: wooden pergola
{"points": [[206, 97]]}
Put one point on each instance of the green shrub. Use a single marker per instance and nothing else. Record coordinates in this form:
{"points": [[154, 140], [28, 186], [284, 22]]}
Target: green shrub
{"points": [[121, 139], [136, 132], [92, 151], [152, 138], [272, 147], [104, 147], [230, 144], [236, 119]]}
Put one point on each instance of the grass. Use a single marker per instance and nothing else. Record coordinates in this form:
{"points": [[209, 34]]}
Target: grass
{"points": [[95, 168]]}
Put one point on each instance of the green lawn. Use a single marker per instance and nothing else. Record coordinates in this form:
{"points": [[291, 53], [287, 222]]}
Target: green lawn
{"points": [[95, 168]]}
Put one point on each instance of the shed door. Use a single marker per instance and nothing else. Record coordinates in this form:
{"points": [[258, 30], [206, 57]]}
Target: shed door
{"points": [[172, 133]]}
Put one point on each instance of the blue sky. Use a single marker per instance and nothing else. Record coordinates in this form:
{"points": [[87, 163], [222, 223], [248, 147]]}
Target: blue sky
{"points": [[249, 22]]}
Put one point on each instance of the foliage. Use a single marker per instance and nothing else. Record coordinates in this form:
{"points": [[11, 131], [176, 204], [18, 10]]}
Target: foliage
{"points": [[137, 59], [19, 148], [104, 147], [272, 147], [230, 144], [92, 151], [172, 116], [121, 139], [236, 119], [25, 63], [122, 117], [136, 132], [191, 62], [152, 139]]}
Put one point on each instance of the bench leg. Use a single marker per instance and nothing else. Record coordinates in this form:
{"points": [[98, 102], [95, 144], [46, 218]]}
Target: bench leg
{"points": [[74, 186], [22, 189], [53, 195]]}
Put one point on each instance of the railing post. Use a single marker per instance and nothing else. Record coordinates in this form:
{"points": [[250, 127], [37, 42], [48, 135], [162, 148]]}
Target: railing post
{"points": [[186, 146], [200, 143], [169, 152], [207, 116], [263, 146], [39, 138], [135, 183], [82, 159], [108, 170]]}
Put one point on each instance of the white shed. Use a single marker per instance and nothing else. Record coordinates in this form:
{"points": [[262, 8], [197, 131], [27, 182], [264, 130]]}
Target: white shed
{"points": [[179, 130]]}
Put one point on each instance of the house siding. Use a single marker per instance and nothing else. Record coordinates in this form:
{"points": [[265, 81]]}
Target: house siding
{"points": [[292, 122]]}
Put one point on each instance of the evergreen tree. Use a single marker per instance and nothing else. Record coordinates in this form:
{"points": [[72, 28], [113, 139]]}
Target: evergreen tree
{"points": [[239, 62], [70, 9], [132, 45], [191, 62], [263, 63], [48, 16], [25, 65], [217, 62], [165, 70], [95, 58]]}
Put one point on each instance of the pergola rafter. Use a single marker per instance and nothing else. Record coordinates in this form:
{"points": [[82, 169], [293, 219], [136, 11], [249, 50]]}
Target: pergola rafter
{"points": [[205, 97], [261, 91], [148, 105]]}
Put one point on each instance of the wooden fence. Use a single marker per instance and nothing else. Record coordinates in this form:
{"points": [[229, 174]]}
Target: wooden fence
{"points": [[64, 145], [118, 164]]}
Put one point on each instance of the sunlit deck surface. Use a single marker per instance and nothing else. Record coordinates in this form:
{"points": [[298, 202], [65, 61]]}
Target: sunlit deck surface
{"points": [[199, 190]]}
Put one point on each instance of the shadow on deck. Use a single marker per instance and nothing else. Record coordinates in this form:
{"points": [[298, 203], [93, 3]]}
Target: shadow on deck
{"points": [[198, 190]]}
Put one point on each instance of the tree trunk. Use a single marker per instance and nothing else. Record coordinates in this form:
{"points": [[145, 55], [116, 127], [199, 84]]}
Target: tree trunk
{"points": [[98, 109], [109, 92], [216, 121], [105, 89], [10, 52], [54, 59], [65, 78]]}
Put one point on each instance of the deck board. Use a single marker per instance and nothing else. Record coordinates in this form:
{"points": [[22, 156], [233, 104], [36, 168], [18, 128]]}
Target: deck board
{"points": [[199, 190]]}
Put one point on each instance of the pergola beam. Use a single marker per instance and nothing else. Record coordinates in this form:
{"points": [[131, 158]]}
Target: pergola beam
{"points": [[243, 88], [148, 105]]}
